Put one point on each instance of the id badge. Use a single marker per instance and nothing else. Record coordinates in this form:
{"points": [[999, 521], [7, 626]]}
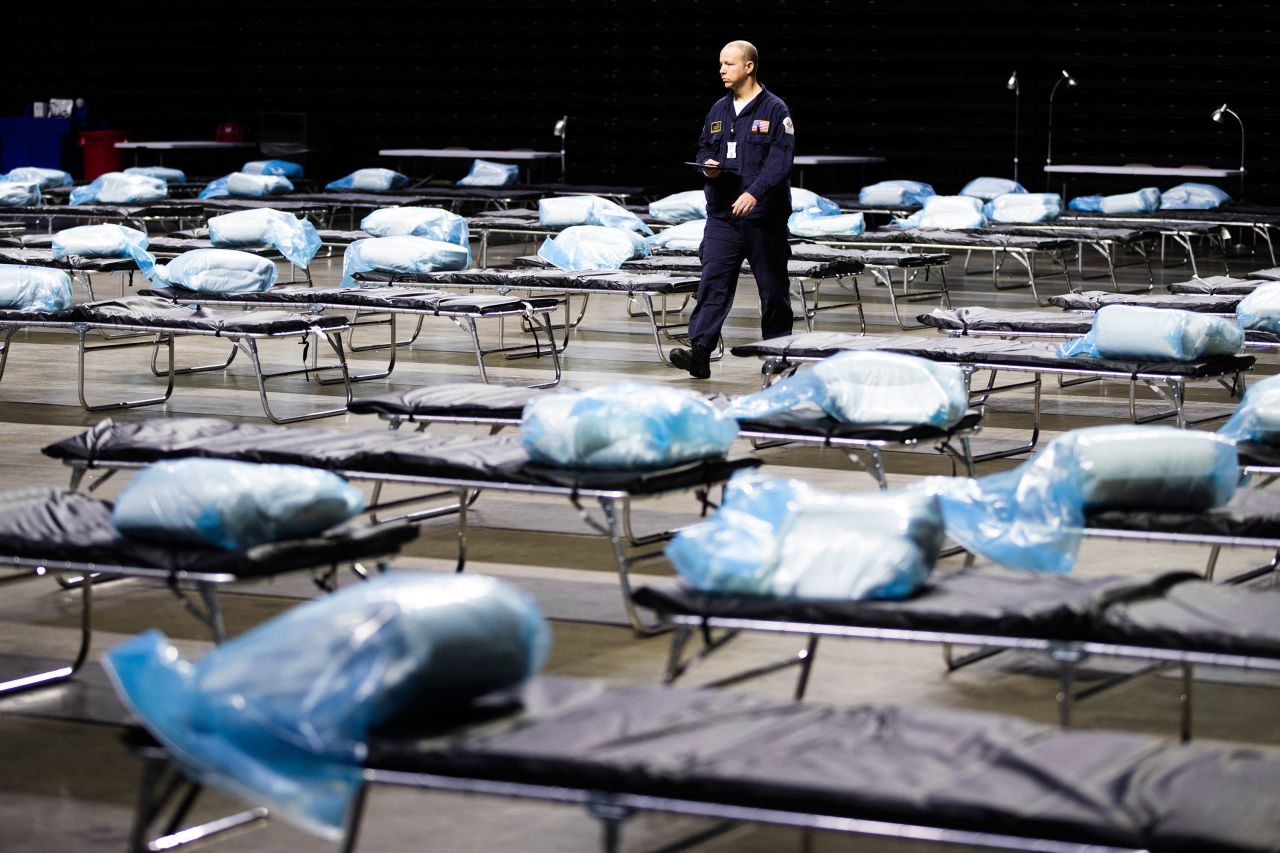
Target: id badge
{"points": [[732, 152]]}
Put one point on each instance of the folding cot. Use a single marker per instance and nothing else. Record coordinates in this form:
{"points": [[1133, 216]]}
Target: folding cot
{"points": [[368, 303], [1185, 224], [1108, 241], [520, 223], [44, 531], [155, 323], [1167, 380], [135, 214], [1224, 285], [502, 407], [468, 200], [77, 267], [925, 774], [319, 213], [1175, 618], [330, 238], [463, 467]]}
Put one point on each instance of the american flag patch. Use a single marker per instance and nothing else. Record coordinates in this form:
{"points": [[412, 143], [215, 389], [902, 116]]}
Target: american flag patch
{"points": [[760, 125]]}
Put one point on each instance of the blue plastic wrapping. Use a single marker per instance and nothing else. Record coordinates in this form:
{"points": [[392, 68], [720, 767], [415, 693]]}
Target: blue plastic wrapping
{"points": [[430, 222], [19, 193], [949, 212], [119, 188], [686, 235], [628, 425], [802, 199], [1144, 200], [41, 289], [680, 207], [989, 188], [1155, 334], [281, 715], [370, 180], [1023, 207], [164, 173], [1033, 516], [218, 271], [486, 173], [1257, 418], [244, 185], [815, 223], [44, 178], [273, 167], [564, 211], [1260, 310], [296, 239], [402, 254], [865, 388], [232, 505], [896, 193], [105, 241], [1193, 196], [593, 247], [785, 539]]}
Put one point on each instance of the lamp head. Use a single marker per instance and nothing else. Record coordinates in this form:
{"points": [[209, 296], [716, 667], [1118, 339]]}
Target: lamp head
{"points": [[1071, 81], [559, 128], [1219, 113], [1013, 81]]}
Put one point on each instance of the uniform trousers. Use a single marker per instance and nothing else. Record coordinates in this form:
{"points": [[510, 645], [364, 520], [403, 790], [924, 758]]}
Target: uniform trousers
{"points": [[725, 243]]}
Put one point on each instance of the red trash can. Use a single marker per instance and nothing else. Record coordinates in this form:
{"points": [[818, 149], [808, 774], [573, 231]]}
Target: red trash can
{"points": [[100, 152]]}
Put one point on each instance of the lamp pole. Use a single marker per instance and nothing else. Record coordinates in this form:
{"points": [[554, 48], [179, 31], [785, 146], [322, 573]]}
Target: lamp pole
{"points": [[1017, 104], [1217, 116], [1048, 156]]}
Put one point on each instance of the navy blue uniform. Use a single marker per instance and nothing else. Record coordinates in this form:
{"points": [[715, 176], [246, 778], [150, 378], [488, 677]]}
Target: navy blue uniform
{"points": [[764, 143]]}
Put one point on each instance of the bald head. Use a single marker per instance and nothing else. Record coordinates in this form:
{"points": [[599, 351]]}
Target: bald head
{"points": [[746, 50]]}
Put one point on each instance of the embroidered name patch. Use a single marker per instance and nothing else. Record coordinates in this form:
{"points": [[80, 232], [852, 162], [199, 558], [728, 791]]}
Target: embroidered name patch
{"points": [[760, 125], [716, 126]]}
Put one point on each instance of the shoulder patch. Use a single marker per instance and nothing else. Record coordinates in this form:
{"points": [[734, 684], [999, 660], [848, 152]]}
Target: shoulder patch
{"points": [[716, 126], [788, 127]]}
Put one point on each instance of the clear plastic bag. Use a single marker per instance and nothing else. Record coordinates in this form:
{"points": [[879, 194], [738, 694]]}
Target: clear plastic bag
{"points": [[401, 255], [814, 223], [36, 289], [1144, 200], [593, 247], [865, 388], [898, 193], [629, 425], [430, 222], [1023, 207], [566, 211], [1155, 334], [164, 173], [219, 271], [119, 188], [281, 715], [105, 241], [948, 212], [370, 180], [44, 178], [272, 167], [680, 207], [990, 188], [19, 193], [1260, 310], [686, 235], [802, 199], [232, 505], [243, 185], [486, 173], [1193, 196], [1257, 418], [296, 239]]}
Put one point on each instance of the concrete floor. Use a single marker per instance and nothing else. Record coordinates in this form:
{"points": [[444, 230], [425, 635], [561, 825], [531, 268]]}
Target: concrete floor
{"points": [[69, 784]]}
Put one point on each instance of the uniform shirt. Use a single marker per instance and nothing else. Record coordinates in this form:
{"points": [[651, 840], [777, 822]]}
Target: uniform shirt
{"points": [[765, 140]]}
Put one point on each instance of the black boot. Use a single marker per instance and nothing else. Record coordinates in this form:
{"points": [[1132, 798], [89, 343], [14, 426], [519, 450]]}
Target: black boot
{"points": [[696, 360]]}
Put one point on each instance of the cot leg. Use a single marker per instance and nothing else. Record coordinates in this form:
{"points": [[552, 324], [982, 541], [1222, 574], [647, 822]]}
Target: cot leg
{"points": [[1067, 656], [82, 351], [617, 533], [354, 819], [5, 343], [1211, 566], [675, 655], [464, 501], [213, 612], [611, 817], [1184, 701], [61, 673], [806, 667], [335, 343]]}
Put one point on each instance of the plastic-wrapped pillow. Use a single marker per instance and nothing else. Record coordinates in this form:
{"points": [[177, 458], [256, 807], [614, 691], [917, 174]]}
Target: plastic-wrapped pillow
{"points": [[218, 271], [802, 199], [680, 207], [629, 425], [19, 193], [119, 188], [1193, 196], [401, 255], [296, 239], [1023, 207], [164, 173], [989, 188], [486, 173], [784, 539], [564, 211], [864, 388], [814, 223], [1152, 467], [272, 167], [36, 289], [232, 505], [105, 241], [1144, 200], [897, 193], [1257, 418], [281, 715], [44, 178], [242, 185], [430, 222], [686, 235], [370, 180], [593, 247], [1155, 334], [950, 212], [1260, 310]]}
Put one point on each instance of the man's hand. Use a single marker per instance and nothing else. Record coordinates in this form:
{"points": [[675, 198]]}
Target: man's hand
{"points": [[710, 172], [744, 205]]}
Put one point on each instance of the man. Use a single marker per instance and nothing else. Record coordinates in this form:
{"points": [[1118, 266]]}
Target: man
{"points": [[750, 136]]}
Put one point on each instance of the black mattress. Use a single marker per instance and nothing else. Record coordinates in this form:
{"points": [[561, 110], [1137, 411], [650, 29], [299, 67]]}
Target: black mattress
{"points": [[174, 245], [44, 258], [374, 298], [328, 236], [1010, 354], [978, 239], [290, 203], [1233, 212], [550, 278], [925, 766], [1217, 285], [50, 525], [496, 460], [1272, 274], [976, 319], [162, 313], [1151, 222], [802, 250], [1251, 513], [688, 264], [1077, 231], [1261, 455], [1092, 300]]}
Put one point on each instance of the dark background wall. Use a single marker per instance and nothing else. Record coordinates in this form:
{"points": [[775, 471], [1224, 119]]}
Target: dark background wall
{"points": [[921, 83]]}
